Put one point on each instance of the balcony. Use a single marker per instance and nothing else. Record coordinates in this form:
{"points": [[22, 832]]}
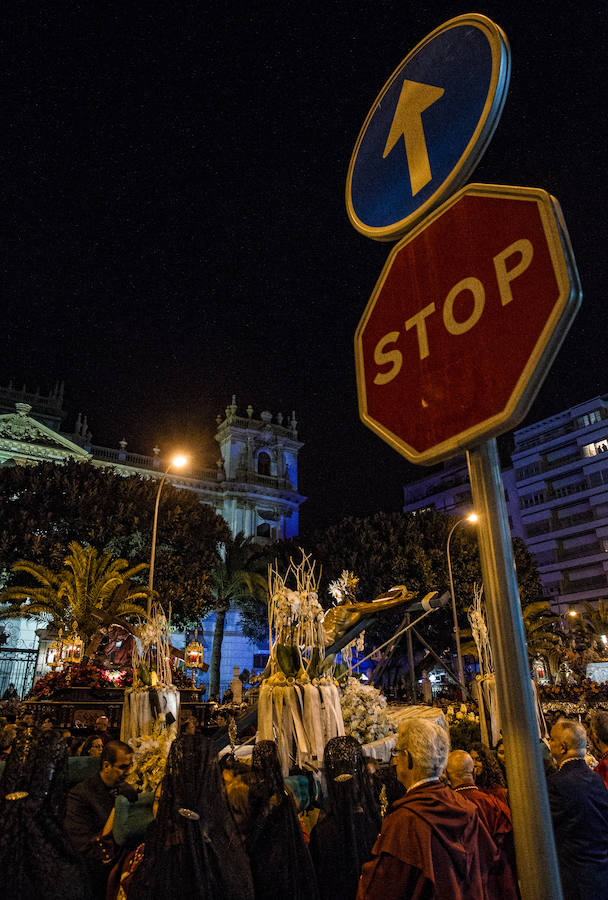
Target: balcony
{"points": [[151, 463], [568, 521], [557, 555], [536, 528], [547, 526], [579, 552], [248, 476], [549, 494], [257, 425], [562, 461], [543, 437], [541, 466], [583, 584]]}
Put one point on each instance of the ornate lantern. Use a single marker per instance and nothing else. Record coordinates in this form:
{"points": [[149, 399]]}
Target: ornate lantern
{"points": [[74, 648], [54, 653], [194, 656], [65, 650]]}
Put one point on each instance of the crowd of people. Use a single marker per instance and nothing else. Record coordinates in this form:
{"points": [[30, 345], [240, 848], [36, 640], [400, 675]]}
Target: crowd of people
{"points": [[434, 824]]}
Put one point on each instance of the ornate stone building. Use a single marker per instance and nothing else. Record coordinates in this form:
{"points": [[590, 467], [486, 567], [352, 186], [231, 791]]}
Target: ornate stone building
{"points": [[254, 485]]}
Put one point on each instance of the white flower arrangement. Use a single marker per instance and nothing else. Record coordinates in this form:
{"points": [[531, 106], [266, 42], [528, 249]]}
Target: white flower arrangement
{"points": [[364, 712], [150, 757], [459, 715]]}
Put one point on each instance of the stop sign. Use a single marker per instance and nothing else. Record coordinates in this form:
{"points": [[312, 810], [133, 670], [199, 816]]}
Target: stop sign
{"points": [[465, 320]]}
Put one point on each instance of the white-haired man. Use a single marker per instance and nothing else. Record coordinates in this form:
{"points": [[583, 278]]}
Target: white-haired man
{"points": [[433, 844]]}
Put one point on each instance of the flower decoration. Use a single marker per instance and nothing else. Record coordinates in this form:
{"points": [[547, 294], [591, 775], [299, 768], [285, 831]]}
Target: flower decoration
{"points": [[463, 725], [150, 757], [79, 676], [364, 712], [573, 698]]}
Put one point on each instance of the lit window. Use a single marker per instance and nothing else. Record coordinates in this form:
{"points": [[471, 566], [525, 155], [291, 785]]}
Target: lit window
{"points": [[595, 448]]}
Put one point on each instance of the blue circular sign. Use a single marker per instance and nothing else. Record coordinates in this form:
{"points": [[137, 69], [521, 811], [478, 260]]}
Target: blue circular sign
{"points": [[429, 127]]}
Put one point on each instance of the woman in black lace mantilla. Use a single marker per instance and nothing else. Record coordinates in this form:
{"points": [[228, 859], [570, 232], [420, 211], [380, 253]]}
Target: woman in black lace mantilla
{"points": [[344, 836], [36, 857], [193, 845], [280, 861]]}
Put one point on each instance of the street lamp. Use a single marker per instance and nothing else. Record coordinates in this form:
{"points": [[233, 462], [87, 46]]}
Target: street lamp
{"points": [[471, 519], [178, 462]]}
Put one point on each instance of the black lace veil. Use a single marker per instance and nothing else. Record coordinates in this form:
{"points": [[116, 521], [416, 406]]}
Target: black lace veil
{"points": [[280, 861], [36, 858], [349, 785], [343, 839], [266, 766], [193, 845]]}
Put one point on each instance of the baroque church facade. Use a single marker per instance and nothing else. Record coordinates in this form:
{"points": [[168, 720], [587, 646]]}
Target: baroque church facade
{"points": [[254, 486]]}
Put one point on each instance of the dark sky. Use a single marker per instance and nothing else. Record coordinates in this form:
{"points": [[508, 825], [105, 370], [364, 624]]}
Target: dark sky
{"points": [[174, 179]]}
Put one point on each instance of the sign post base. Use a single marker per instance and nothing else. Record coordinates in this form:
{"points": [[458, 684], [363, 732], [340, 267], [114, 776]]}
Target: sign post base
{"points": [[533, 832]]}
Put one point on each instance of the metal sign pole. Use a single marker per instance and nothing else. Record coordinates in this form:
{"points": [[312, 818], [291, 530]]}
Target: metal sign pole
{"points": [[533, 832]]}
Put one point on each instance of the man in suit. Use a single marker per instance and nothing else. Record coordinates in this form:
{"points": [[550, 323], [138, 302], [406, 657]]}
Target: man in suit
{"points": [[579, 809], [90, 812]]}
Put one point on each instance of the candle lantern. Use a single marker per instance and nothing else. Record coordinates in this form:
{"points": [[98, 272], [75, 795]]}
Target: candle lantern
{"points": [[54, 653], [74, 647], [194, 656]]}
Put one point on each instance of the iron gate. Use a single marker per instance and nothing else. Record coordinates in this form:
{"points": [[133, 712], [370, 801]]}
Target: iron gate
{"points": [[17, 666]]}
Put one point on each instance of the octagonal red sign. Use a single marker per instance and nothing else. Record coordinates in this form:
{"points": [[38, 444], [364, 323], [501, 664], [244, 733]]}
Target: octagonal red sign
{"points": [[465, 320]]}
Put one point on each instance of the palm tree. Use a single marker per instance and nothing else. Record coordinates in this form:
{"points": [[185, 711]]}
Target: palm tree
{"points": [[544, 638], [592, 624], [234, 579], [91, 590]]}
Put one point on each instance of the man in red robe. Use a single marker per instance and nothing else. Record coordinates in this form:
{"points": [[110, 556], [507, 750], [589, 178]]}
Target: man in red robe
{"points": [[433, 845], [496, 816], [599, 735]]}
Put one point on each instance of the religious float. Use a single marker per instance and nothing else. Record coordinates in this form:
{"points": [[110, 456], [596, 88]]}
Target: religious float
{"points": [[131, 674], [307, 693]]}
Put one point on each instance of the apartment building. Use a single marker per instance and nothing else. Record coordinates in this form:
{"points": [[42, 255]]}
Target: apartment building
{"points": [[557, 499]]}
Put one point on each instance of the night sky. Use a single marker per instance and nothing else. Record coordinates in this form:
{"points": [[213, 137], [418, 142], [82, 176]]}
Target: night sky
{"points": [[174, 181]]}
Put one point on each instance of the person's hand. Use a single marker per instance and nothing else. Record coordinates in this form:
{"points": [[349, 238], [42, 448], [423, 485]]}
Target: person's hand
{"points": [[127, 790], [107, 828]]}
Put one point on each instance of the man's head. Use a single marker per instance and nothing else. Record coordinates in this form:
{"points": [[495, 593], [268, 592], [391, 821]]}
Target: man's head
{"points": [[102, 723], [460, 768], [568, 741], [421, 752], [500, 752], [115, 763], [599, 729]]}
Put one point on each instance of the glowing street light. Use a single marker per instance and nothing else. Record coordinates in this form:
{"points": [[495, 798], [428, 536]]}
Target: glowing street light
{"points": [[178, 462], [470, 519]]}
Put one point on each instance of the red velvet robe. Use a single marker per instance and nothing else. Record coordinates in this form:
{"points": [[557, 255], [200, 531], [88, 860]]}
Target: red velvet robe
{"points": [[496, 816], [602, 768], [433, 846]]}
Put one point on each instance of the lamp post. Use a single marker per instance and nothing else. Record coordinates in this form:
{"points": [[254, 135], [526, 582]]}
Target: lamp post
{"points": [[177, 462], [472, 518]]}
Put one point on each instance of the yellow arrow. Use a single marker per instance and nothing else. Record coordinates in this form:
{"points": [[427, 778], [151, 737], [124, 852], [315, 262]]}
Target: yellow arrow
{"points": [[407, 121]]}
